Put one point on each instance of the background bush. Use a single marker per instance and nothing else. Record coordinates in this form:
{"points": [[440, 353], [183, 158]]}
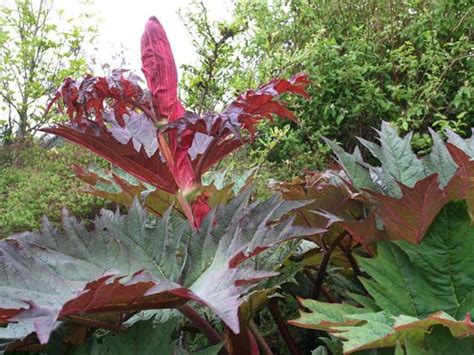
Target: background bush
{"points": [[408, 62], [37, 181]]}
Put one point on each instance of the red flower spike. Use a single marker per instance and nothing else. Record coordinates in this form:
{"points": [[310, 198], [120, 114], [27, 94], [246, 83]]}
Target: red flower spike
{"points": [[174, 157], [159, 68], [160, 72]]}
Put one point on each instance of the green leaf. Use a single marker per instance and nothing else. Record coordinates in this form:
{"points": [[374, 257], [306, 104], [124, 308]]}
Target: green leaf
{"points": [[398, 163], [418, 287], [440, 341], [379, 330], [396, 156], [440, 161], [324, 316], [212, 350], [320, 350], [130, 262], [333, 344], [353, 166], [466, 145], [142, 338], [418, 280], [361, 331]]}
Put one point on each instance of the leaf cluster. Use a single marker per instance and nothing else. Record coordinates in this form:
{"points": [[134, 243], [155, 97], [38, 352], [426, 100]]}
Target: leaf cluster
{"points": [[384, 238], [406, 213]]}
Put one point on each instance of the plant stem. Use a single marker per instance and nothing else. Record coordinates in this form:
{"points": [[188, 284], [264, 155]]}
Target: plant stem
{"points": [[323, 266], [352, 261], [203, 325], [327, 294], [283, 328], [187, 209], [324, 290], [263, 345]]}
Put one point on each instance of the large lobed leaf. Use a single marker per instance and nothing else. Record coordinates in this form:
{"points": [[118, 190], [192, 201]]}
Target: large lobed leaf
{"points": [[129, 262], [361, 331], [135, 147], [416, 286], [335, 206], [399, 165], [403, 195]]}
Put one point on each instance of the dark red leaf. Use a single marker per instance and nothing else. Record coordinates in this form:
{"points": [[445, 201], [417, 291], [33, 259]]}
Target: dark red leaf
{"points": [[97, 139], [410, 216]]}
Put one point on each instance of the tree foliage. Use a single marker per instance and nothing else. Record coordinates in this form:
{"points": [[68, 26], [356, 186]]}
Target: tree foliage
{"points": [[36, 180], [406, 62], [35, 55]]}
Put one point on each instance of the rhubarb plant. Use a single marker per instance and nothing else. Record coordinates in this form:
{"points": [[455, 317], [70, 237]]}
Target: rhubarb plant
{"points": [[82, 276], [415, 292], [404, 227], [387, 246], [150, 135]]}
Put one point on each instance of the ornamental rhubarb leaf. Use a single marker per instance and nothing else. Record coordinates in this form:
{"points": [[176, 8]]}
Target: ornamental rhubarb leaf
{"points": [[405, 193], [430, 274], [328, 194], [398, 163], [128, 263], [361, 331], [354, 167], [418, 287], [462, 186], [335, 207], [465, 145], [324, 316], [120, 187], [410, 216], [396, 155], [142, 338]]}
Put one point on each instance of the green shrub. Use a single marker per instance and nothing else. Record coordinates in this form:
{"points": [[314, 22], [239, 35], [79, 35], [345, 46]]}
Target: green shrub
{"points": [[407, 62], [35, 181]]}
